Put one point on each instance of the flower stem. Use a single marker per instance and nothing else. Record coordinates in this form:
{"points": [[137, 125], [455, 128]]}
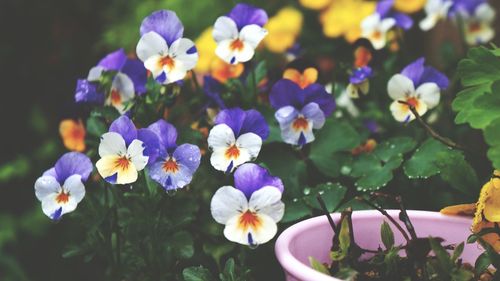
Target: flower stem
{"points": [[195, 82], [327, 214]]}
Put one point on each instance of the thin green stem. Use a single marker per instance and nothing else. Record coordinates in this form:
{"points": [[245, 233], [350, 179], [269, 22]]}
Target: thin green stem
{"points": [[195, 82]]}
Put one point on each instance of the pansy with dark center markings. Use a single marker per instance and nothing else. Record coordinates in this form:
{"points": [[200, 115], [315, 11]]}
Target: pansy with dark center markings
{"points": [[129, 78], [239, 33], [251, 209], [236, 138], [163, 50], [359, 81], [175, 166], [124, 151], [299, 111], [61, 188], [478, 20], [418, 86]]}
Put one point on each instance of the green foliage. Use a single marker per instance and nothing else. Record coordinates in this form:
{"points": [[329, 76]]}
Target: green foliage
{"points": [[318, 266], [197, 273], [387, 235]]}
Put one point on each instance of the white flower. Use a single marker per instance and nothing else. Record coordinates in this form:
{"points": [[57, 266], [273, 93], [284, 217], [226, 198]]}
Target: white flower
{"points": [[248, 222], [401, 88], [168, 64], [119, 164], [235, 46], [122, 88], [478, 28], [58, 200], [435, 10], [375, 29], [229, 152]]}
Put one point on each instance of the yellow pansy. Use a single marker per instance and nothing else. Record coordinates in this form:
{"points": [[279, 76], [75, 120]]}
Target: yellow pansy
{"points": [[283, 29], [409, 6], [343, 18], [73, 134], [206, 51], [315, 4]]}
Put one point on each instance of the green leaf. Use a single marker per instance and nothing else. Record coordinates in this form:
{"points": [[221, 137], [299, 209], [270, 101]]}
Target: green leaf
{"points": [[332, 194], [482, 263], [152, 186], [394, 146], [461, 275], [318, 266], [182, 244], [15, 169], [96, 127], [457, 171], [228, 273], [197, 273], [374, 174], [344, 242], [441, 254], [295, 210], [421, 164], [457, 252], [347, 274], [387, 235]]}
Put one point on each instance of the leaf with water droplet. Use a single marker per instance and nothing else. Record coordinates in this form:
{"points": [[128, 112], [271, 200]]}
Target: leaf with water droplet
{"points": [[332, 194]]}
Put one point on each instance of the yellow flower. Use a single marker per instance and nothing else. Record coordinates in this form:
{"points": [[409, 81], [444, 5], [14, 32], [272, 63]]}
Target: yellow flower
{"points": [[409, 6], [206, 51], [343, 18], [304, 79], [222, 71], [283, 29], [73, 134], [315, 4]]}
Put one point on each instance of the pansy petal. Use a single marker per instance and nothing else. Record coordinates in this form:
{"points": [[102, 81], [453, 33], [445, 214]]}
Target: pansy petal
{"points": [[384, 7], [317, 93], [414, 71], [95, 73], [135, 152], [400, 86], [224, 29], [46, 186], [402, 20], [255, 123], [112, 144], [184, 51], [221, 136], [73, 163], [249, 145], [226, 203], [243, 55], [433, 75], [286, 115], [267, 200], [244, 14], [50, 207], [125, 127], [233, 117], [485, 13], [166, 133], [251, 177], [124, 85], [87, 91], [151, 143], [252, 34], [135, 70], [189, 156], [429, 93], [212, 89], [165, 23], [149, 45], [262, 233], [285, 92], [75, 188], [313, 113], [114, 60]]}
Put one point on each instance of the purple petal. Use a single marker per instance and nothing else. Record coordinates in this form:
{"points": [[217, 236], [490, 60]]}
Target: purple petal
{"points": [[317, 93], [255, 123], [384, 7], [86, 92], [285, 92], [212, 89], [414, 71], [359, 75], [402, 20], [51, 172], [73, 163], [232, 117], [189, 156], [167, 135], [245, 14], [151, 142], [114, 61], [135, 70], [125, 127], [165, 23], [251, 177], [433, 75]]}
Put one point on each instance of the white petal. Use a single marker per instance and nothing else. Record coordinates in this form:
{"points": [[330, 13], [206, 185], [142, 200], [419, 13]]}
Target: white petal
{"points": [[429, 93], [135, 153], [95, 73], [124, 85], [219, 160], [46, 186], [227, 202], [429, 22], [387, 24], [353, 91], [50, 206], [263, 233], [249, 145], [400, 86], [74, 186], [151, 44], [364, 87], [485, 13], [252, 34], [178, 51], [224, 28], [221, 136], [154, 65], [267, 200], [112, 144], [286, 114], [370, 22], [312, 112], [224, 52], [245, 54], [400, 112], [175, 74], [106, 166]]}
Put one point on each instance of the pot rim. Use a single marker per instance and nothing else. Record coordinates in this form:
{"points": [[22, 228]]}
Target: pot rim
{"points": [[303, 272]]}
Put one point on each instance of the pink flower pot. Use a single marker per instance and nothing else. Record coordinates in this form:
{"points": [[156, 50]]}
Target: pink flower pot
{"points": [[313, 237]]}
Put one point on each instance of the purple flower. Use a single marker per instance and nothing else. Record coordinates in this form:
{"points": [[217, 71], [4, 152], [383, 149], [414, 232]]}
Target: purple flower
{"points": [[420, 74], [299, 111], [175, 166], [130, 78], [212, 89], [251, 210], [384, 9], [236, 138], [124, 151], [239, 33], [163, 50], [359, 81], [61, 188]]}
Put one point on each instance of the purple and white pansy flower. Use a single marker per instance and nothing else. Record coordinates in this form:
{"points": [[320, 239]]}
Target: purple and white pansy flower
{"points": [[435, 10], [175, 166], [129, 77], [479, 17], [359, 81], [299, 111], [239, 33], [375, 26], [236, 138], [418, 86], [162, 48], [250, 209], [124, 151], [61, 188]]}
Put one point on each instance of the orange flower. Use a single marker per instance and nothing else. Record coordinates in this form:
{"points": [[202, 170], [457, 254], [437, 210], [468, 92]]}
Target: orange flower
{"points": [[362, 56], [367, 147], [304, 79], [222, 71], [73, 134]]}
